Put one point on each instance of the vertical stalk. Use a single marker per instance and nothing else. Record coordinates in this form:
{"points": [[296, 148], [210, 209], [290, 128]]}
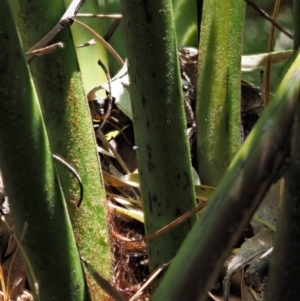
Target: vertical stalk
{"points": [[199, 17], [296, 19], [284, 274], [58, 81], [285, 263], [159, 123], [267, 76], [218, 96], [49, 249], [236, 33]]}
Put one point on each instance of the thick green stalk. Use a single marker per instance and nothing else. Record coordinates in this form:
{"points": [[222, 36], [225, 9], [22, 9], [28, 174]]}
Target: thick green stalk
{"points": [[219, 81], [35, 197], [69, 127], [255, 167], [285, 263], [159, 123]]}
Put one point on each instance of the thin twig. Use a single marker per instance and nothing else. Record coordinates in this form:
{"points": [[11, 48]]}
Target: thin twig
{"points": [[112, 16], [101, 136], [171, 225], [100, 63], [175, 223], [87, 44], [268, 62], [75, 173], [269, 18], [151, 278], [106, 45], [112, 29], [45, 50], [65, 21]]}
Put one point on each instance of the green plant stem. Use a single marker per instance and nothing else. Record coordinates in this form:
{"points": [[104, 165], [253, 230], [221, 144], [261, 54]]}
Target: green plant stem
{"points": [[285, 263], [159, 123], [49, 248], [296, 21], [255, 167], [219, 85], [69, 127]]}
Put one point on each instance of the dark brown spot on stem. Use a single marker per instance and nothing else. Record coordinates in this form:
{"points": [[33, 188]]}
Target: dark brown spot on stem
{"points": [[150, 201]]}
